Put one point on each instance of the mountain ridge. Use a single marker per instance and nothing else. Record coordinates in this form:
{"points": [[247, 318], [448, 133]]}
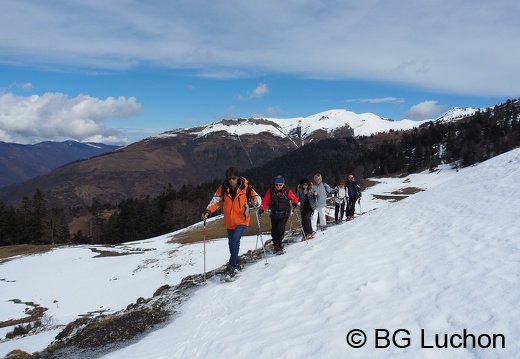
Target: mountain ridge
{"points": [[364, 124], [192, 156]]}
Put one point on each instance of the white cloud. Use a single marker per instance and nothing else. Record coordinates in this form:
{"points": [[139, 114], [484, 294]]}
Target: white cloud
{"points": [[259, 91], [54, 116], [393, 100], [25, 86], [274, 111], [15, 85], [424, 110], [230, 114]]}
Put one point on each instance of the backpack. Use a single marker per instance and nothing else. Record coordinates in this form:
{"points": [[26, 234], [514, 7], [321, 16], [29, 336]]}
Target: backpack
{"points": [[281, 201], [341, 199], [248, 190]]}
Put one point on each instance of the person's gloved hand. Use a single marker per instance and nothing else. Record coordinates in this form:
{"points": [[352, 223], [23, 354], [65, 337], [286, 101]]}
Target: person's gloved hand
{"points": [[253, 202], [294, 205], [260, 211]]}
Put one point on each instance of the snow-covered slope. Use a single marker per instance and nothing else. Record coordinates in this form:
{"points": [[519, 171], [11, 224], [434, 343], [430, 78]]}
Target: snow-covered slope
{"points": [[456, 114], [444, 262], [434, 265]]}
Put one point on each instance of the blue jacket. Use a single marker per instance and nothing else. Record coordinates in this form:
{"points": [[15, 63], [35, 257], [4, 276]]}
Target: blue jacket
{"points": [[353, 190]]}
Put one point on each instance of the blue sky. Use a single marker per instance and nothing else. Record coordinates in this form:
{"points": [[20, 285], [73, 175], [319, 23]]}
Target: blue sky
{"points": [[119, 71]]}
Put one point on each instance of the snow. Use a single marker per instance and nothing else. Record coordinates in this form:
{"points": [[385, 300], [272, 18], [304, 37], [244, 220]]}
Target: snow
{"points": [[364, 124], [444, 262], [457, 113]]}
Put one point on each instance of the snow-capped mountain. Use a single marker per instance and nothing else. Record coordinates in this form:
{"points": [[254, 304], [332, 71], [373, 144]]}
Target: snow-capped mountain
{"points": [[324, 124], [457, 113]]}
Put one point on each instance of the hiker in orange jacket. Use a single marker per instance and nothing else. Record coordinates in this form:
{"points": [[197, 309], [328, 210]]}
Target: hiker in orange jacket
{"points": [[236, 196]]}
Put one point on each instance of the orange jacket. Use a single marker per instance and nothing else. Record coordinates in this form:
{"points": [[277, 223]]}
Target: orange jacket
{"points": [[236, 211]]}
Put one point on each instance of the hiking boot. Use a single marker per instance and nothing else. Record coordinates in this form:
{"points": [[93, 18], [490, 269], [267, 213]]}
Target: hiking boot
{"points": [[277, 249], [309, 236], [239, 267], [230, 271]]}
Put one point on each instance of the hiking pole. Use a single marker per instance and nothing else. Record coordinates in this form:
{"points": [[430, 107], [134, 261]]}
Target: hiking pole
{"points": [[204, 249], [301, 225], [259, 231], [291, 229], [260, 234]]}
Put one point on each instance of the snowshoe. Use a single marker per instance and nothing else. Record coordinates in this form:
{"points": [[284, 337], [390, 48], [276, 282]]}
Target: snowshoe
{"points": [[229, 274], [278, 250]]}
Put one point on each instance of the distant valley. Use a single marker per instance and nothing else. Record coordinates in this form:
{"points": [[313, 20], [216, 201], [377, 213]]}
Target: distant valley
{"points": [[19, 162]]}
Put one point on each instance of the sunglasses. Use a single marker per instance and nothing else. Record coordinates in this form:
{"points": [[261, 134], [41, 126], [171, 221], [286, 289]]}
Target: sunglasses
{"points": [[278, 184], [232, 178]]}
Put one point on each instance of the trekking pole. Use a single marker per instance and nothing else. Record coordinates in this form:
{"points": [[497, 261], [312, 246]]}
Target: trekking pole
{"points": [[291, 216], [301, 225], [260, 234], [204, 249]]}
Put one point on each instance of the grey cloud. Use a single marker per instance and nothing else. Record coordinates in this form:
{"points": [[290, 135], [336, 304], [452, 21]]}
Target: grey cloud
{"points": [[439, 45]]}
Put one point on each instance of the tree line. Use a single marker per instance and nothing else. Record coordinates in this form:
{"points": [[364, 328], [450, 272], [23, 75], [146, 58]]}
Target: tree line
{"points": [[465, 142]]}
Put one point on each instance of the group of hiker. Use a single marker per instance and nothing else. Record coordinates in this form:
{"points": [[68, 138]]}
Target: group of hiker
{"points": [[237, 197]]}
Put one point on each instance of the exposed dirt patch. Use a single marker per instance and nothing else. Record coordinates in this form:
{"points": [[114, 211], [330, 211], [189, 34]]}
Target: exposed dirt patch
{"points": [[35, 313], [407, 191], [25, 249]]}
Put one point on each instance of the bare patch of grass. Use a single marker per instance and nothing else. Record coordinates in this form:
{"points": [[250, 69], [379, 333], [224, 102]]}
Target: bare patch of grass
{"points": [[106, 253], [34, 314], [389, 197], [407, 191], [398, 194], [25, 249], [18, 354], [215, 229], [367, 183]]}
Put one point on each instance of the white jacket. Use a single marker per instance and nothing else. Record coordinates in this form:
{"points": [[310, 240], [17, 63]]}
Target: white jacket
{"points": [[341, 196]]}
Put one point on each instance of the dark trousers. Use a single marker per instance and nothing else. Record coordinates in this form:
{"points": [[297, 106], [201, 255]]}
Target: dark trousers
{"points": [[340, 209], [306, 220], [278, 230], [351, 207]]}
